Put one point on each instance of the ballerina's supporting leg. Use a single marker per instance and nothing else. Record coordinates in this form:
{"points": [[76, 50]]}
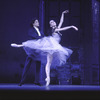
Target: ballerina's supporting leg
{"points": [[16, 45], [47, 69]]}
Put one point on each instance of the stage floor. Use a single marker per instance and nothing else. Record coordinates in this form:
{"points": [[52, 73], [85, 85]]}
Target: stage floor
{"points": [[52, 92], [50, 87]]}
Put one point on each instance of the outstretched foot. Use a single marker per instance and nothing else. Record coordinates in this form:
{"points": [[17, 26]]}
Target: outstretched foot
{"points": [[16, 45], [47, 81]]}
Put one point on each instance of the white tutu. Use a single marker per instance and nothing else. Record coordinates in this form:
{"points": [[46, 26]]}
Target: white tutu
{"points": [[41, 47]]}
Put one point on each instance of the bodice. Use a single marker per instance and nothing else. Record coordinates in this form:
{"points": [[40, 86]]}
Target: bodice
{"points": [[57, 37]]}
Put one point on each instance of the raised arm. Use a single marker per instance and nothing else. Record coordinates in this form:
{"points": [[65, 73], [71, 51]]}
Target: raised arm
{"points": [[62, 18], [66, 28]]}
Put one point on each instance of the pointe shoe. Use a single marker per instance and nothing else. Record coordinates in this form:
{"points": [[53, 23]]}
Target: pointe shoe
{"points": [[47, 81], [14, 45]]}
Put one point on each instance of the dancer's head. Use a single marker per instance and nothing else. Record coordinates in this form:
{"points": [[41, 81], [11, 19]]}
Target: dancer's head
{"points": [[35, 22], [52, 23]]}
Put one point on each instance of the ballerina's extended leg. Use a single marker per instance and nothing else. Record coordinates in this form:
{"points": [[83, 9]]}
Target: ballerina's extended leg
{"points": [[16, 45], [47, 69]]}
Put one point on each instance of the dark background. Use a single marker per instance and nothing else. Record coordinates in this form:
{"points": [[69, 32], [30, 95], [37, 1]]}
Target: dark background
{"points": [[15, 18]]}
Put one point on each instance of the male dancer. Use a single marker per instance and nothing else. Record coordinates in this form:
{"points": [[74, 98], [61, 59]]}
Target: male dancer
{"points": [[34, 33]]}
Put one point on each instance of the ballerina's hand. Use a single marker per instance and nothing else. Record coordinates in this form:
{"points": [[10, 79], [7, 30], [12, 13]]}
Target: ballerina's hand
{"points": [[75, 28], [66, 11]]}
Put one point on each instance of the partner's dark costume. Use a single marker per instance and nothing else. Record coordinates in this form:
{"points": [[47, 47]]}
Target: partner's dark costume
{"points": [[33, 35]]}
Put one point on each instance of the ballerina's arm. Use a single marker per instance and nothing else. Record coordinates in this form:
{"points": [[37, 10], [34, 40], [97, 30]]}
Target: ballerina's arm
{"points": [[62, 18], [66, 28]]}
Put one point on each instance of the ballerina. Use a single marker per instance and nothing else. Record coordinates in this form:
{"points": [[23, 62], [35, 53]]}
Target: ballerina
{"points": [[56, 30], [49, 47]]}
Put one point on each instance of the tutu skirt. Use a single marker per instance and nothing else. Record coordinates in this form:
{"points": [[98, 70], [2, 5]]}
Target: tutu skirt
{"points": [[41, 47]]}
